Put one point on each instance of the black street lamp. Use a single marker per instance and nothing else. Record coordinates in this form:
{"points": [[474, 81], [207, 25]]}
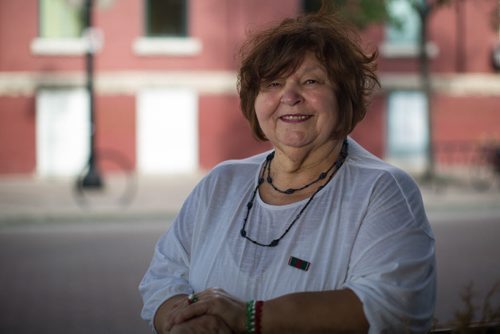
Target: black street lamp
{"points": [[495, 51], [92, 178], [424, 10], [495, 57]]}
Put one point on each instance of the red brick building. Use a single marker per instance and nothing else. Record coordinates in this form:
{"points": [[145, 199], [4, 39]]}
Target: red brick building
{"points": [[165, 83]]}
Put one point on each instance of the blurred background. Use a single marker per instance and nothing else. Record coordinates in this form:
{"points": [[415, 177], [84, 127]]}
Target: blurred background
{"points": [[111, 110]]}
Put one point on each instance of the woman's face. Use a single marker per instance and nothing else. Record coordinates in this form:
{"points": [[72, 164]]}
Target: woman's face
{"points": [[301, 110]]}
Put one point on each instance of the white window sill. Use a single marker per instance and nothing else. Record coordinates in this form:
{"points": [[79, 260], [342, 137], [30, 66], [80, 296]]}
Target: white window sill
{"points": [[145, 46], [61, 46], [390, 50]]}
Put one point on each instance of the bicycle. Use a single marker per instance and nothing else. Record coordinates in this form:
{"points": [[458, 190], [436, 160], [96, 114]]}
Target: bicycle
{"points": [[485, 167], [119, 183]]}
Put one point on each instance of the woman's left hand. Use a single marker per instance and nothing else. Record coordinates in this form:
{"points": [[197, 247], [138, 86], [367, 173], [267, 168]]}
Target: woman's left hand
{"points": [[205, 324], [215, 302]]}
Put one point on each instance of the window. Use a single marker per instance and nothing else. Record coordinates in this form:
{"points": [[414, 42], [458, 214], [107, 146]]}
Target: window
{"points": [[166, 18], [60, 19], [402, 37], [311, 6], [61, 27], [407, 31], [166, 30]]}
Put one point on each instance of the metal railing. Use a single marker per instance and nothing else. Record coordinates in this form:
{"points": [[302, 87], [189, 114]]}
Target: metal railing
{"points": [[474, 164]]}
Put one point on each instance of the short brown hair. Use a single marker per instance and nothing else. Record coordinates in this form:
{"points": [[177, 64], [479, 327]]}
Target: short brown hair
{"points": [[279, 50]]}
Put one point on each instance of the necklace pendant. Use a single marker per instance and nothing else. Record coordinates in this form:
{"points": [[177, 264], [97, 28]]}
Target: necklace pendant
{"points": [[274, 243]]}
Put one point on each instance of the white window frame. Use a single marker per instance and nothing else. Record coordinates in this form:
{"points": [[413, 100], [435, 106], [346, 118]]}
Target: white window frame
{"points": [[391, 50], [58, 46], [168, 46]]}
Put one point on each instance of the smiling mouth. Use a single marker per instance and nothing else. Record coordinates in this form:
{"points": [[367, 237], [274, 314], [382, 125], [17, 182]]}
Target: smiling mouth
{"points": [[295, 118]]}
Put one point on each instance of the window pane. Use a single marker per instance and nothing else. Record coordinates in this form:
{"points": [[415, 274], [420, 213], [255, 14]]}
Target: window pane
{"points": [[407, 31], [166, 18], [407, 131], [59, 19], [311, 6]]}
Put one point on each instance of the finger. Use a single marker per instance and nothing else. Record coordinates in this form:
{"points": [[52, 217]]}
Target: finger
{"points": [[191, 311], [205, 324], [212, 293], [181, 302]]}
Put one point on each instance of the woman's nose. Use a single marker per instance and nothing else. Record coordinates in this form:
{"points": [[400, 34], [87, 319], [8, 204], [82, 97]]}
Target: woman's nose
{"points": [[291, 96]]}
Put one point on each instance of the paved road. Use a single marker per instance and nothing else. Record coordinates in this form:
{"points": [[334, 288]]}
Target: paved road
{"points": [[82, 278], [74, 278], [468, 252]]}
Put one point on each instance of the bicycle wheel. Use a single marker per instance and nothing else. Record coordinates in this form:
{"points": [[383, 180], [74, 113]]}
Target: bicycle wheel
{"points": [[119, 183], [482, 174]]}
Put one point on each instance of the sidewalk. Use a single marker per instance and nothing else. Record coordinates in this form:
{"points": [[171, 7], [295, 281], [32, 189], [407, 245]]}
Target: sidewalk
{"points": [[24, 199], [35, 200]]}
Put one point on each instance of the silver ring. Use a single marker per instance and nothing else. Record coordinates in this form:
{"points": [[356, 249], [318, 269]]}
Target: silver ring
{"points": [[192, 298]]}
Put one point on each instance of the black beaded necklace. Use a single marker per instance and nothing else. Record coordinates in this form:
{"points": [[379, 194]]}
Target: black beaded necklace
{"points": [[275, 242], [290, 191]]}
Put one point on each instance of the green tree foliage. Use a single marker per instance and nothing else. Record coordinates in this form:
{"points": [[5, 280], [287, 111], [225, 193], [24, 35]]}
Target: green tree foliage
{"points": [[362, 13]]}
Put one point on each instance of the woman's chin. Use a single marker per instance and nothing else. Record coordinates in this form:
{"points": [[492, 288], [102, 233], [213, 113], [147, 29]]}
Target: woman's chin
{"points": [[294, 140]]}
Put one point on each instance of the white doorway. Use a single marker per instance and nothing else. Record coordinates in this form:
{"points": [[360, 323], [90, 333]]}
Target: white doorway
{"points": [[167, 131], [408, 133], [62, 131]]}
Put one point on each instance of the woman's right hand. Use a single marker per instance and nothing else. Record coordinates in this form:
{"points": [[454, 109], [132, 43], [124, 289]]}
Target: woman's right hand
{"points": [[204, 324], [214, 302], [170, 305]]}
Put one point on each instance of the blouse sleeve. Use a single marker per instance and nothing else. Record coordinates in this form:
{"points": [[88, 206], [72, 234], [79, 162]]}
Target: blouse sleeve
{"points": [[168, 272], [392, 268]]}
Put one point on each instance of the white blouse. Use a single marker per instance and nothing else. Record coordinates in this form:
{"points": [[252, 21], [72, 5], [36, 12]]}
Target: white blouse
{"points": [[366, 231]]}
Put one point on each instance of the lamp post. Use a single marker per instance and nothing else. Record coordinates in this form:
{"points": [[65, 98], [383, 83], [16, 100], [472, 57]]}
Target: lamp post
{"points": [[92, 178], [495, 52], [424, 10], [460, 27], [495, 57]]}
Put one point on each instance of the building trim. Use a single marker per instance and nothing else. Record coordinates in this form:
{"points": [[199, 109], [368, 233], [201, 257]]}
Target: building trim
{"points": [[115, 83], [223, 82], [454, 84], [410, 50]]}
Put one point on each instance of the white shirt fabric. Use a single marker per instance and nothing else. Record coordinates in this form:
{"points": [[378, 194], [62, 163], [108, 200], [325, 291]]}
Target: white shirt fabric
{"points": [[366, 230]]}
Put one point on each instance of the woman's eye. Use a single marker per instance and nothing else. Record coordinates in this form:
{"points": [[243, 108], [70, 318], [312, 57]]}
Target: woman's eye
{"points": [[272, 84], [311, 81]]}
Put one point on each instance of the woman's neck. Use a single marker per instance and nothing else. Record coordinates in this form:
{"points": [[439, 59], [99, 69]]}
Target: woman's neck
{"points": [[299, 172], [293, 163]]}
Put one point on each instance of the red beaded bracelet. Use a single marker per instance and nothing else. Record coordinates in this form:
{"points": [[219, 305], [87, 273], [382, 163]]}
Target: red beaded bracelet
{"points": [[254, 315], [258, 316]]}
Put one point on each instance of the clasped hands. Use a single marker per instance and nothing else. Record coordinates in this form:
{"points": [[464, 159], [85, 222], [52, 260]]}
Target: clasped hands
{"points": [[210, 311]]}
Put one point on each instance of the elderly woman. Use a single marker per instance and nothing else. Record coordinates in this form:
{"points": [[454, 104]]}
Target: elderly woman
{"points": [[317, 235]]}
